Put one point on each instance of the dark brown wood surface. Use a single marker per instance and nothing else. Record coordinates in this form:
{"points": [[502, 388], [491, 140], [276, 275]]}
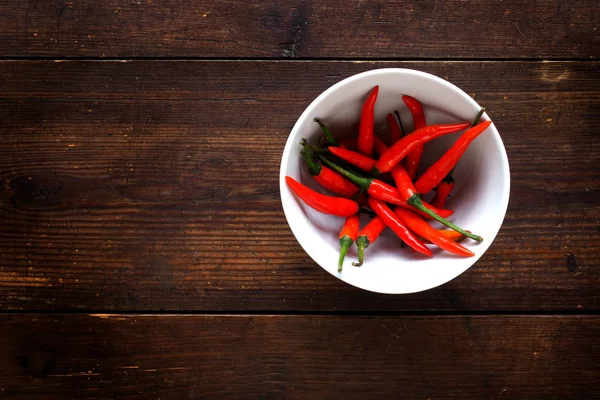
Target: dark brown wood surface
{"points": [[140, 144], [298, 357], [154, 185], [300, 28]]}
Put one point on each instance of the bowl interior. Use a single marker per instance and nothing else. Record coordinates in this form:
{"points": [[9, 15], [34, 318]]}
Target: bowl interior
{"points": [[479, 199]]}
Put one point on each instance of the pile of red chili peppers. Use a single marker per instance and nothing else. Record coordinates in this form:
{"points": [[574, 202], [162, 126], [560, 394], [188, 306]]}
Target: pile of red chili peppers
{"points": [[387, 186]]}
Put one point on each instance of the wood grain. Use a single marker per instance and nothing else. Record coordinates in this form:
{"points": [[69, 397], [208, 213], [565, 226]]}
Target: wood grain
{"points": [[153, 186], [298, 357], [300, 29]]}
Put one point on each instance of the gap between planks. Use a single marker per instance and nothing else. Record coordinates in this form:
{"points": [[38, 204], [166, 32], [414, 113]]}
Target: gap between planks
{"points": [[291, 313], [299, 60]]}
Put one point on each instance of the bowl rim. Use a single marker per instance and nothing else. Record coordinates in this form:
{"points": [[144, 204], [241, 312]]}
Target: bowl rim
{"points": [[383, 71]]}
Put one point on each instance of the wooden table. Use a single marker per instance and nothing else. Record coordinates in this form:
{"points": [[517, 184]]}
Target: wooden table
{"points": [[143, 248]]}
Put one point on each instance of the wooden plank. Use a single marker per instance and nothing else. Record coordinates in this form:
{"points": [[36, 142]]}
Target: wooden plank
{"points": [[299, 28], [114, 195], [298, 357]]}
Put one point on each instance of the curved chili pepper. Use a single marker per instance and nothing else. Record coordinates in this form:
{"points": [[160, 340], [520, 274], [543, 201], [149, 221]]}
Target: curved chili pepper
{"points": [[444, 188], [363, 162], [394, 223], [422, 228], [404, 184], [407, 191], [442, 191], [451, 234], [326, 204], [395, 133], [408, 143], [367, 237], [383, 191], [358, 160], [379, 146], [444, 165], [326, 177], [448, 234], [416, 110], [348, 236], [366, 133], [326, 132]]}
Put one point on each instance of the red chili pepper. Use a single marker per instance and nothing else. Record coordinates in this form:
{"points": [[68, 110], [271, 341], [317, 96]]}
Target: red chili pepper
{"points": [[412, 159], [442, 212], [358, 160], [348, 236], [367, 237], [395, 133], [416, 110], [379, 146], [450, 234], [407, 190], [326, 204], [403, 181], [394, 223], [366, 133], [444, 188], [366, 164], [444, 165], [326, 177], [408, 143], [442, 191], [383, 191], [422, 228]]}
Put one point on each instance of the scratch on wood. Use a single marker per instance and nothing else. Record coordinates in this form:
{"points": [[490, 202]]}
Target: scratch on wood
{"points": [[114, 317], [549, 76], [60, 13], [298, 31], [88, 373], [27, 18], [247, 324], [265, 260]]}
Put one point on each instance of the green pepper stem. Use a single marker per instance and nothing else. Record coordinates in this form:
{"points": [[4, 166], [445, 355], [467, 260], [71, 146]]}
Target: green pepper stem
{"points": [[364, 183], [477, 117], [316, 149], [326, 132], [361, 243], [313, 168], [415, 201], [345, 243]]}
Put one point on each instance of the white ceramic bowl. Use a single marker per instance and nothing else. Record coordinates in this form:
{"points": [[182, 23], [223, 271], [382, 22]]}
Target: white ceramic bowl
{"points": [[479, 199]]}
